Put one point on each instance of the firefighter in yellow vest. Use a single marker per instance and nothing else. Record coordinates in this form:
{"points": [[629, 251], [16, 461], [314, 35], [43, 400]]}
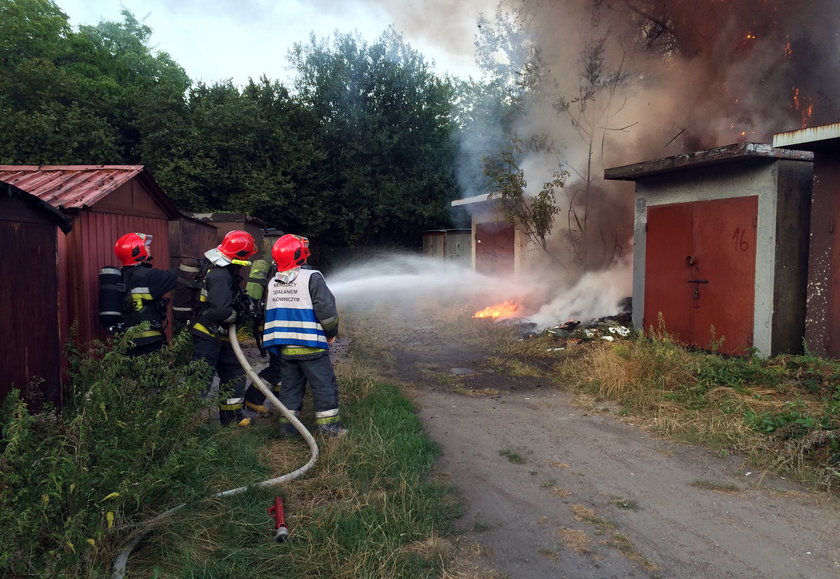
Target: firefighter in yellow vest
{"points": [[216, 310], [301, 322]]}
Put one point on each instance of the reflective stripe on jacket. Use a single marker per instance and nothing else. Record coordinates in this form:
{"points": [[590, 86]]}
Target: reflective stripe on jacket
{"points": [[215, 308], [290, 318], [145, 289]]}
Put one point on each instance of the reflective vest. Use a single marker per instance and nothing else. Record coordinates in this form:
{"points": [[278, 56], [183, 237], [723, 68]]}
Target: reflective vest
{"points": [[289, 316]]}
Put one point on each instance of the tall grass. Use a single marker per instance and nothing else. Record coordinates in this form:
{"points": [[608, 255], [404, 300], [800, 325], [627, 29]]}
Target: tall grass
{"points": [[783, 412], [137, 439], [361, 513]]}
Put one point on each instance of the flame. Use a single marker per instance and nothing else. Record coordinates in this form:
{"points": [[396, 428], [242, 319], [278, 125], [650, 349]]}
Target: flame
{"points": [[806, 111], [502, 310]]}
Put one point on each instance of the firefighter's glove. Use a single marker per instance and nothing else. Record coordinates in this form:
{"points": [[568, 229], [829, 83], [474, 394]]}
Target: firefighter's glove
{"points": [[245, 307]]}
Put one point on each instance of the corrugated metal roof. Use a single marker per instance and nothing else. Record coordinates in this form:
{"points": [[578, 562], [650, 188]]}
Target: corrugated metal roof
{"points": [[69, 186], [79, 186]]}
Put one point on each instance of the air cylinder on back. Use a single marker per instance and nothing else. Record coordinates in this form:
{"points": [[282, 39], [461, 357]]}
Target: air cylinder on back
{"points": [[258, 279], [111, 297]]}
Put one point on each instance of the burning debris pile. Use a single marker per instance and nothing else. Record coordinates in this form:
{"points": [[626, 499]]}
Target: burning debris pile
{"points": [[608, 328]]}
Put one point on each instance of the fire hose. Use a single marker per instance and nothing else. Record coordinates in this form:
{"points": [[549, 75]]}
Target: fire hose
{"points": [[281, 531]]}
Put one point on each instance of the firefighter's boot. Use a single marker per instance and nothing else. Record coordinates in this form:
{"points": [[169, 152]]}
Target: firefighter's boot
{"points": [[231, 412], [287, 429]]}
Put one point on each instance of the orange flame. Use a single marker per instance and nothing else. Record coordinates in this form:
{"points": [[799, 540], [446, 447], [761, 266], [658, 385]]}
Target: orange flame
{"points": [[502, 310], [805, 110]]}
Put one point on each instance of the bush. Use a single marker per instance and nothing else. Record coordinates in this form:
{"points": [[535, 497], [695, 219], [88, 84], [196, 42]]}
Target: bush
{"points": [[74, 485]]}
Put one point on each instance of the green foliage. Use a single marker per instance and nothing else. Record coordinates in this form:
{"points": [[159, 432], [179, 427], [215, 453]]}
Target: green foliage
{"points": [[400, 450], [534, 214], [75, 97], [784, 410], [357, 513], [794, 417], [512, 456], [386, 128], [739, 372], [128, 446], [487, 112], [362, 155]]}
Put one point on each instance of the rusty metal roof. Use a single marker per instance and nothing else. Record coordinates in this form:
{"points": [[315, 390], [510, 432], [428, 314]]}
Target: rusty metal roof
{"points": [[810, 139], [70, 187], [725, 154]]}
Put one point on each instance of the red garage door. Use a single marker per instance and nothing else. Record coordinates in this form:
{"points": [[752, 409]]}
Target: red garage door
{"points": [[700, 272], [494, 248]]}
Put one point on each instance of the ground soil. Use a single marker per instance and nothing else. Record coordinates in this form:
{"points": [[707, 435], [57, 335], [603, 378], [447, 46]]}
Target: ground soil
{"points": [[553, 488]]}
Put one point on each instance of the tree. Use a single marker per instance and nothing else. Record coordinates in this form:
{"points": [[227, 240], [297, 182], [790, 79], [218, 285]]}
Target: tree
{"points": [[533, 214], [387, 132], [256, 150], [74, 97], [535, 98], [487, 112], [589, 112], [42, 117]]}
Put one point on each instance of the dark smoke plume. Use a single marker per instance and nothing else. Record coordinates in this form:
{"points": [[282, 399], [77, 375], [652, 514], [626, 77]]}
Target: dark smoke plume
{"points": [[699, 73]]}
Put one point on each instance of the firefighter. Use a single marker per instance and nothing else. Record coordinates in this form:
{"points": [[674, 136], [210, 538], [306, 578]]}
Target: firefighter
{"points": [[219, 305], [301, 322], [145, 287]]}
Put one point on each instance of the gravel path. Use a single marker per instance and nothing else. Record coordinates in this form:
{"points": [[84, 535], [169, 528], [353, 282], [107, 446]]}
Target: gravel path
{"points": [[556, 490]]}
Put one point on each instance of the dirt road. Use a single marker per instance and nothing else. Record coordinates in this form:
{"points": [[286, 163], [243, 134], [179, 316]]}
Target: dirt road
{"points": [[557, 490]]}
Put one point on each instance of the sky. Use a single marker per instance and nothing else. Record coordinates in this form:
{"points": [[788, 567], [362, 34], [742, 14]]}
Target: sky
{"points": [[218, 40]]}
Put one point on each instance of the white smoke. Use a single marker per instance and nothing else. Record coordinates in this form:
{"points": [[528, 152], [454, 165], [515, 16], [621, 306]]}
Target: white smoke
{"points": [[596, 294]]}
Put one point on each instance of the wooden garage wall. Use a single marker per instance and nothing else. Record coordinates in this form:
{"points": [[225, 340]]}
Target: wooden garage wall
{"points": [[32, 347]]}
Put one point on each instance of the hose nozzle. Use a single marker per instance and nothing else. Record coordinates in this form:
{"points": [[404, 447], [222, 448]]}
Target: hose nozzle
{"points": [[281, 533]]}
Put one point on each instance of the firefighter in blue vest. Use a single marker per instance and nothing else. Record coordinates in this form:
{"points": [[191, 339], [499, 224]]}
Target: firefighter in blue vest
{"points": [[301, 322], [145, 288], [219, 306]]}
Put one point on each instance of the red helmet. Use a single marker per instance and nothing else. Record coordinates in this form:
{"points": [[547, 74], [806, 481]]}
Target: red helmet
{"points": [[237, 245], [290, 251], [133, 248]]}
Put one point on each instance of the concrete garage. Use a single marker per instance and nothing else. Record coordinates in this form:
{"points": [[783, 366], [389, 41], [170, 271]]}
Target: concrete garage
{"points": [[721, 247]]}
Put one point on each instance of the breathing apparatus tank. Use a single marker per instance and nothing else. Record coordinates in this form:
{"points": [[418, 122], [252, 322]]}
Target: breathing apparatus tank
{"points": [[111, 298], [258, 280]]}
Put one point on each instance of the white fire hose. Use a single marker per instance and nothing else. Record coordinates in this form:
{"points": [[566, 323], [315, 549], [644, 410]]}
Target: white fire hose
{"points": [[122, 560]]}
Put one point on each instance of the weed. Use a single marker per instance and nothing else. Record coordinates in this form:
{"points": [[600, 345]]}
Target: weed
{"points": [[513, 457], [135, 441], [131, 438], [627, 504]]}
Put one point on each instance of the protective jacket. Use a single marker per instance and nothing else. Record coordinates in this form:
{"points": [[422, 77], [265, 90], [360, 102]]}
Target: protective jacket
{"points": [[145, 288], [300, 316], [216, 303]]}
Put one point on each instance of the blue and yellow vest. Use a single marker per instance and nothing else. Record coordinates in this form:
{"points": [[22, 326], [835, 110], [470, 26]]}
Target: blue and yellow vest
{"points": [[289, 315]]}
